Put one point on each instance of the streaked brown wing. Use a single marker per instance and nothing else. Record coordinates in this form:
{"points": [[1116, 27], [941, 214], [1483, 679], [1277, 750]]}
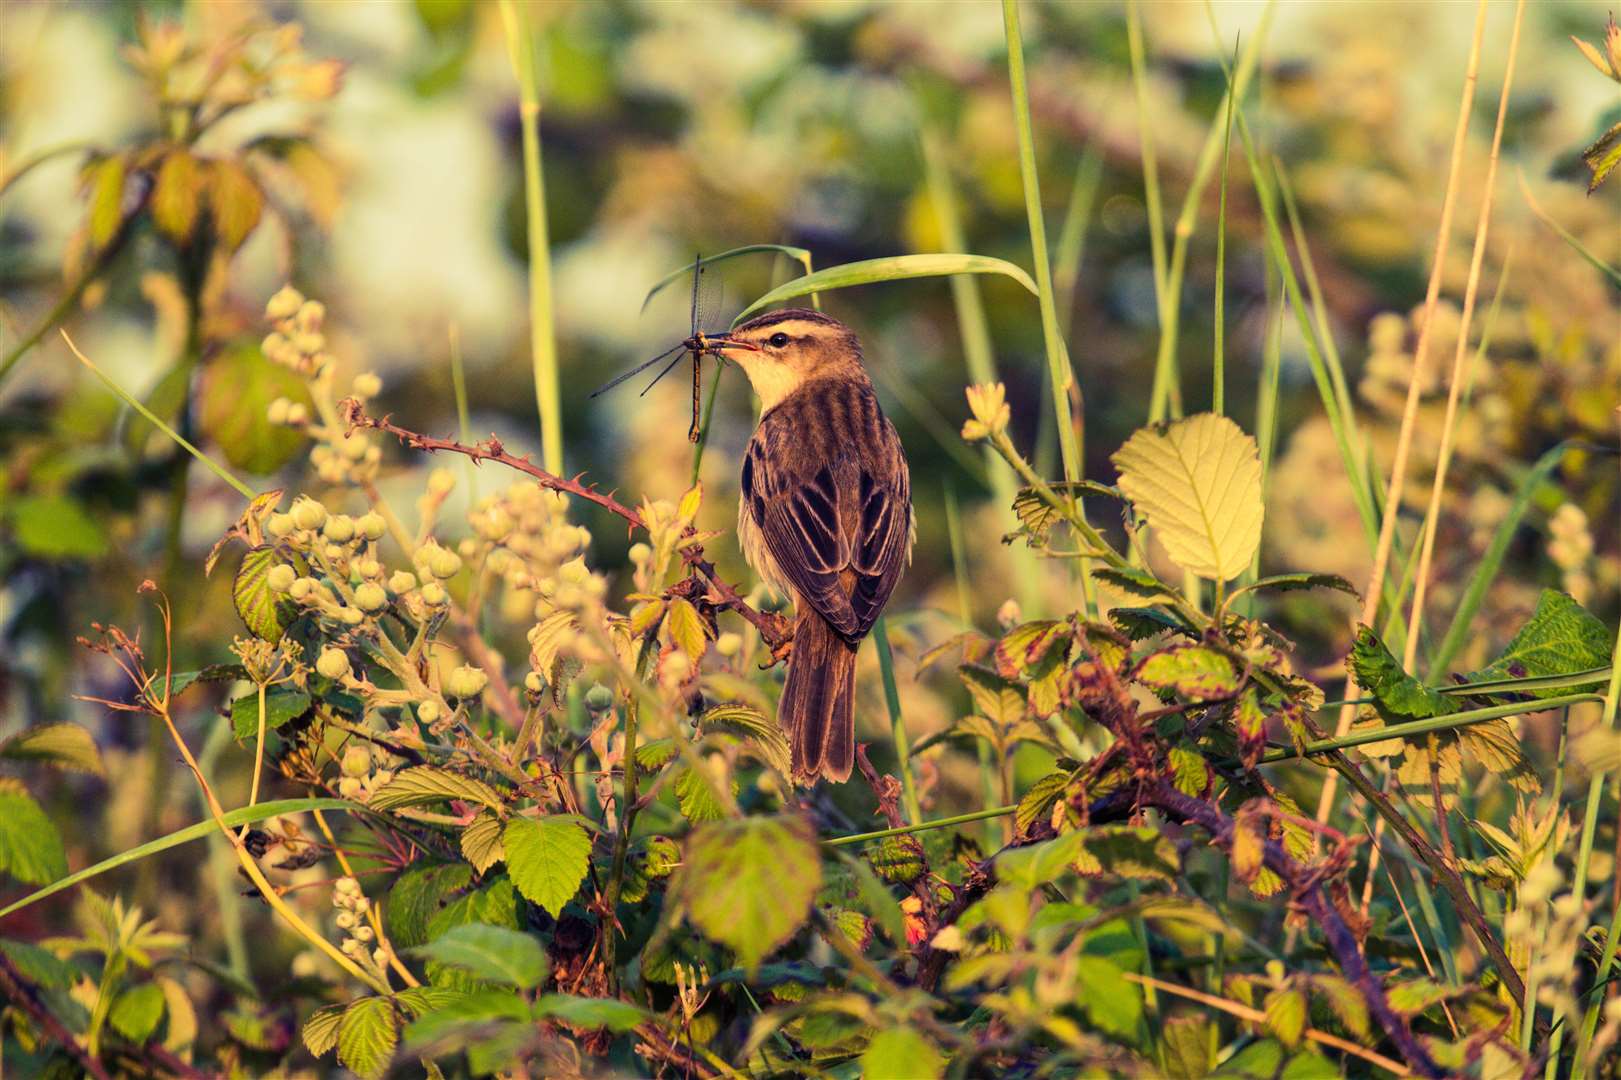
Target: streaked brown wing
{"points": [[834, 512]]}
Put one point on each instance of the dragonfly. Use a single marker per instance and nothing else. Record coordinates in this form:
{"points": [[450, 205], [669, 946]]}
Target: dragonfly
{"points": [[696, 345]]}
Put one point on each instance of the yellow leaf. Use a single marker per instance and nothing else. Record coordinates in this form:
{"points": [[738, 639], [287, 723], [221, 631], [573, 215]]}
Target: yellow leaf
{"points": [[688, 510], [235, 201], [175, 199], [106, 199], [687, 629], [1198, 482]]}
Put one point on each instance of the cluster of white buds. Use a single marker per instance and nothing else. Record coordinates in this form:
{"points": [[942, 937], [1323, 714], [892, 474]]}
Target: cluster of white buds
{"points": [[298, 342], [363, 774], [1571, 549], [343, 549], [1389, 366], [359, 942]]}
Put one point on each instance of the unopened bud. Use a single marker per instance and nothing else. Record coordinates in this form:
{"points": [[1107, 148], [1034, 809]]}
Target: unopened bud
{"points": [[444, 563], [339, 528], [401, 582], [308, 514], [372, 526], [598, 698], [429, 712], [333, 663], [281, 577], [357, 761], [285, 304], [466, 682], [370, 597], [367, 385]]}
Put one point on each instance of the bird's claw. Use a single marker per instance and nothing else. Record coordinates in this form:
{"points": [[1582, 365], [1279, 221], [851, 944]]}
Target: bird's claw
{"points": [[780, 640]]}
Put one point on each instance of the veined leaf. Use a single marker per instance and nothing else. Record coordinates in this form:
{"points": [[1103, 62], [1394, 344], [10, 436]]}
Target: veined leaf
{"points": [[1194, 671], [900, 1051], [1198, 482], [176, 196], [30, 847], [281, 705], [428, 783], [748, 882], [686, 629], [584, 1012], [418, 895], [892, 268], [1560, 638], [762, 733], [234, 201], [321, 1029], [1001, 700], [64, 745], [547, 859], [367, 1035], [1134, 581], [491, 953], [233, 399], [263, 611], [136, 1012], [481, 842], [1038, 516]]}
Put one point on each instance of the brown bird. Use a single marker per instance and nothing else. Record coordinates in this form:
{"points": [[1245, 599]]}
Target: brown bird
{"points": [[825, 516]]}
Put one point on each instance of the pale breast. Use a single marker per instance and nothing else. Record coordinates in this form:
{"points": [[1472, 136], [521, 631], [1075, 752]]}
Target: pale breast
{"points": [[757, 555]]}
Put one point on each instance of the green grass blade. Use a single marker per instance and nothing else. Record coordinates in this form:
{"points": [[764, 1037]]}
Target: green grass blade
{"points": [[1576, 245], [897, 723], [245, 816], [890, 268], [798, 254], [1070, 251], [1218, 375]]}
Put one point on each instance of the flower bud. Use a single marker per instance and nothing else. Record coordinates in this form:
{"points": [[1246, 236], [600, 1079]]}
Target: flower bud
{"points": [[333, 663], [281, 577], [434, 595], [444, 563], [533, 683], [369, 568], [370, 597], [640, 553], [598, 698], [429, 711], [401, 582], [307, 513], [440, 481], [351, 788], [357, 760], [277, 412], [351, 616], [301, 588], [285, 304], [280, 525], [493, 524], [345, 920], [367, 385], [988, 403], [339, 528], [466, 682], [363, 934], [729, 644], [297, 414], [354, 447], [372, 526], [379, 956]]}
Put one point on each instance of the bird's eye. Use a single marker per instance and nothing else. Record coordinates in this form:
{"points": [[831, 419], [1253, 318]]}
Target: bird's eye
{"points": [[777, 341]]}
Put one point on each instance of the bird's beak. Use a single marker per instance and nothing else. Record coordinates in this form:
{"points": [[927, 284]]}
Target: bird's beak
{"points": [[715, 343]]}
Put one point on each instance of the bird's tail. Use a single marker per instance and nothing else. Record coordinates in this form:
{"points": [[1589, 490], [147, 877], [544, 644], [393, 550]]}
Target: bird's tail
{"points": [[817, 710]]}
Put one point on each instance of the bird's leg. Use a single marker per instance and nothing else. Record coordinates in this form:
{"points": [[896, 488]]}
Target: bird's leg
{"points": [[783, 647]]}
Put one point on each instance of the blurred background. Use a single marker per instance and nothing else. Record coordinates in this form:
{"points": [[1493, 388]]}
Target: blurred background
{"points": [[370, 153]]}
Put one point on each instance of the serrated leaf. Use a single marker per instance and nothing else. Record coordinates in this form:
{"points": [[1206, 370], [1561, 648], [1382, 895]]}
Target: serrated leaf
{"points": [[748, 883], [234, 202], [590, 1013], [282, 705], [687, 510], [106, 183], [1038, 516], [481, 842], [233, 400], [1000, 700], [901, 1052], [1346, 1002], [686, 628], [30, 847], [367, 1035], [1142, 623], [898, 860], [1134, 581], [1293, 582], [761, 732], [417, 896], [181, 681], [1111, 1002], [1127, 851], [697, 797], [136, 1012], [261, 609], [1493, 744], [321, 1029], [429, 783], [1037, 803], [1028, 644], [1198, 482], [1196, 672], [176, 196], [462, 1011], [421, 1000], [490, 953], [1286, 1016], [1187, 1043], [64, 745], [547, 859], [40, 966], [1560, 638], [1189, 772], [1603, 155], [1398, 694]]}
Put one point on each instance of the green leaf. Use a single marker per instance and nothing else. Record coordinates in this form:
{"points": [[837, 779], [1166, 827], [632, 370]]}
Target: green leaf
{"points": [[1134, 581], [39, 965], [686, 628], [892, 268], [1188, 1047], [1286, 1016], [136, 1012], [1038, 516], [428, 783], [1142, 623], [263, 611], [1113, 1003], [748, 883], [54, 527], [417, 895], [421, 1000], [181, 681], [1398, 694], [64, 745], [1028, 644], [901, 1052], [321, 1029], [234, 202], [1000, 700], [585, 1012], [466, 1010], [247, 815], [547, 859], [30, 846], [233, 402], [874, 898], [1603, 156], [481, 842], [176, 196], [492, 953], [367, 1035], [106, 199], [1293, 582], [1190, 774], [697, 798], [1037, 803], [761, 732], [1346, 1002], [1196, 672], [897, 859], [1198, 482], [282, 705], [1560, 638], [1127, 851], [1034, 865]]}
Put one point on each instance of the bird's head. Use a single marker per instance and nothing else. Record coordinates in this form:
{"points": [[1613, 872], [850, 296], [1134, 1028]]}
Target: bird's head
{"points": [[780, 351]]}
